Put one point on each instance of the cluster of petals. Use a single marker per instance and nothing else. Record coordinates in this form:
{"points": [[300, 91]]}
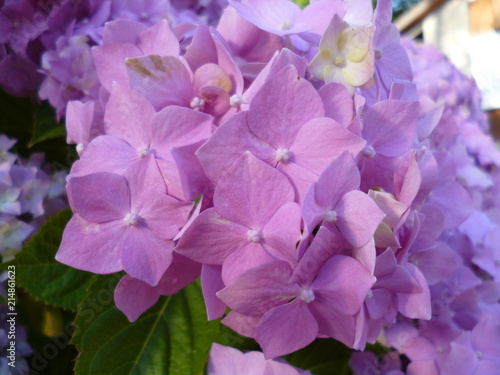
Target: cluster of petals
{"points": [[47, 45], [297, 167], [28, 196]]}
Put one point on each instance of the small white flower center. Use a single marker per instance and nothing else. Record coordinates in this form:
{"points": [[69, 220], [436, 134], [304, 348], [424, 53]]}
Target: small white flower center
{"points": [[330, 216], [479, 354], [197, 104], [254, 235], [282, 154], [79, 148], [369, 294], [235, 101], [307, 295], [369, 152], [285, 25], [378, 53], [143, 151], [131, 219], [339, 60]]}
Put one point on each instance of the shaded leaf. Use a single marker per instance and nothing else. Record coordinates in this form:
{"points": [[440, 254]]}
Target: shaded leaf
{"points": [[42, 276], [323, 357], [173, 337], [46, 125]]}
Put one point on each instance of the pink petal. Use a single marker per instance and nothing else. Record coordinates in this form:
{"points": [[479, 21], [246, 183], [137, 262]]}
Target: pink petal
{"points": [[300, 177], [286, 328], [211, 238], [128, 116], [390, 126], [211, 75], [445, 198], [145, 256], [244, 259], [177, 126], [332, 323], [228, 143], [340, 290], [325, 244], [407, 179], [224, 360], [163, 214], [91, 247], [416, 305], [245, 325], [259, 289], [436, 263], [277, 111], [122, 31], [358, 217], [182, 272], [192, 175], [162, 80], [158, 40], [211, 282], [269, 15], [109, 61], [133, 297], [202, 49], [100, 197], [322, 140], [336, 180], [282, 233], [105, 154], [337, 102], [265, 190]]}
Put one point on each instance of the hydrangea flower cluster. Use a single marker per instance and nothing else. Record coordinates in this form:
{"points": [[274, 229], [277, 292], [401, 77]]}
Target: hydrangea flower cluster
{"points": [[287, 156], [28, 196], [46, 44], [462, 267]]}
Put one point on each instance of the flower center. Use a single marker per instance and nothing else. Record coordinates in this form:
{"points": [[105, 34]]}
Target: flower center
{"points": [[306, 295], [330, 216], [131, 219], [369, 294], [235, 101], [143, 151], [254, 235], [339, 60], [197, 104], [369, 152], [285, 25], [282, 154], [79, 148], [378, 53]]}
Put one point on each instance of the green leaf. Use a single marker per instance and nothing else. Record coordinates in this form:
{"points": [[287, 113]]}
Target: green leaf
{"points": [[41, 275], [46, 125], [16, 115], [301, 3], [323, 357], [172, 338]]}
